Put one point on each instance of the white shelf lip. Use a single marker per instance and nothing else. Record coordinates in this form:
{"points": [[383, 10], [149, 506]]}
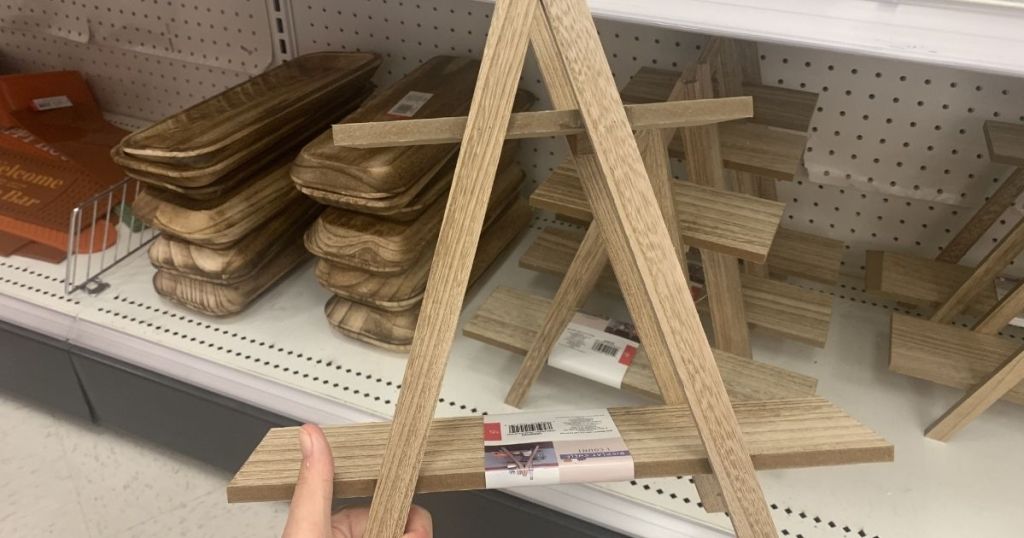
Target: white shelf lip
{"points": [[36, 318], [974, 35]]}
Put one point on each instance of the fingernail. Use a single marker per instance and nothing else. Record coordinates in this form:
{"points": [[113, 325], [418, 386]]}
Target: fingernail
{"points": [[306, 445]]}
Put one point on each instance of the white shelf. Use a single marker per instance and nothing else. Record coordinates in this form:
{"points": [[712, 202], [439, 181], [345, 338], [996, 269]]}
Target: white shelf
{"points": [[964, 488], [977, 35]]}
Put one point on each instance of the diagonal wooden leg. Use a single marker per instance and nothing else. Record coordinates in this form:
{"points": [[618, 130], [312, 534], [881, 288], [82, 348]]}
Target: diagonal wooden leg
{"points": [[994, 207], [980, 398], [653, 283], [503, 58], [1002, 313], [721, 271]]}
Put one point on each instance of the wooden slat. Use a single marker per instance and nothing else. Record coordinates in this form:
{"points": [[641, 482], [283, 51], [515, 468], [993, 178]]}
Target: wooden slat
{"points": [[721, 271], [511, 319], [1005, 142], [540, 124], [948, 355], [503, 57], [980, 398], [783, 309], [776, 107], [984, 218], [727, 222], [655, 288], [1003, 313], [1004, 252], [804, 255], [663, 441], [921, 282]]}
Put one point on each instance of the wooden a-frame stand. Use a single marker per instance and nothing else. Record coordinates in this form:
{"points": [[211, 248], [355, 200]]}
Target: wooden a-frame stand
{"points": [[615, 179]]}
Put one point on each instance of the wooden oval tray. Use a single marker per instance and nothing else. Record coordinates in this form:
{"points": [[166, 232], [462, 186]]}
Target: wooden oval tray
{"points": [[381, 246], [393, 330], [224, 221], [412, 203], [388, 172], [220, 124], [218, 176], [239, 262], [405, 290], [221, 300]]}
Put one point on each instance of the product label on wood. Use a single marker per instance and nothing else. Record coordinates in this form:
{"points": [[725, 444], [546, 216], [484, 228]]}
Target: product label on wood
{"points": [[51, 103], [595, 348], [410, 104], [554, 447]]}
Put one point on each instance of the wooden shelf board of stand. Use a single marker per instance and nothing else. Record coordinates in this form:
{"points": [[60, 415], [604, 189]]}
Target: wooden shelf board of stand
{"points": [[510, 319], [782, 108], [727, 222], [783, 309], [663, 441], [1005, 142], [920, 281], [804, 255], [949, 355], [749, 146]]}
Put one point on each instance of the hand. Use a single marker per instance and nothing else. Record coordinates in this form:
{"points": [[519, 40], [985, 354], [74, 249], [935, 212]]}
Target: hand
{"points": [[310, 512]]}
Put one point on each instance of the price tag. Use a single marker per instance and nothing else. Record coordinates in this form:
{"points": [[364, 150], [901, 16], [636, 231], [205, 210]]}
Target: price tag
{"points": [[597, 349], [51, 103], [410, 104]]}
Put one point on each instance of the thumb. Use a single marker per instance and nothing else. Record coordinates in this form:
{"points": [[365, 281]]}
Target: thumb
{"points": [[310, 512]]}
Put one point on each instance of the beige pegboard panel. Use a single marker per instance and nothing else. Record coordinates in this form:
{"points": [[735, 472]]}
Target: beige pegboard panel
{"points": [[206, 47], [896, 156]]}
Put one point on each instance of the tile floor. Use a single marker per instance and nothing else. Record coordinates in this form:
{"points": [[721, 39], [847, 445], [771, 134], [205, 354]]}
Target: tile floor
{"points": [[60, 477]]}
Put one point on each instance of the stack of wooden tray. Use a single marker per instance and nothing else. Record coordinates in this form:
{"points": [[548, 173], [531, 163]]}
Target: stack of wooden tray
{"points": [[217, 180], [375, 244]]}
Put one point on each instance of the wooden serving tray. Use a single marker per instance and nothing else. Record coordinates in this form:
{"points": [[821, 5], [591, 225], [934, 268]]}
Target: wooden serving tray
{"points": [[403, 291], [413, 202], [393, 330], [209, 181], [224, 221], [239, 262], [234, 119], [385, 247], [389, 172], [221, 300]]}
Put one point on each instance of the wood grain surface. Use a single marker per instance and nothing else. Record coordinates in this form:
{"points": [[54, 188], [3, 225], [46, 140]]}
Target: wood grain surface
{"points": [[732, 223], [254, 108], [1004, 378], [655, 287], [296, 131], [387, 172], [1008, 248], [510, 319], [492, 105], [228, 266], [405, 290], [223, 221], [782, 108], [782, 309], [922, 282], [987, 215], [1005, 142], [803, 255], [949, 355], [393, 328], [220, 300], [410, 204], [663, 441], [377, 245], [541, 124], [1008, 308]]}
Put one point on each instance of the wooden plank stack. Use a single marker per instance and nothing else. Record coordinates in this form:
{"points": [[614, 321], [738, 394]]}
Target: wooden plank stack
{"points": [[375, 243], [217, 179]]}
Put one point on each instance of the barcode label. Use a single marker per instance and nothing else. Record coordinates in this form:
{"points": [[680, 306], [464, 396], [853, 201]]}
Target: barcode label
{"points": [[606, 347], [51, 103], [410, 104], [531, 427]]}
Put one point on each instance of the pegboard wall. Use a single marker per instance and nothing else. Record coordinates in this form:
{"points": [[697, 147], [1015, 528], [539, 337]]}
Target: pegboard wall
{"points": [[896, 157]]}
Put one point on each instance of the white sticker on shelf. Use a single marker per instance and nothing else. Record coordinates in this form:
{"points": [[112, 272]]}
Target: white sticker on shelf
{"points": [[51, 103], [596, 348], [554, 447], [410, 104]]}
